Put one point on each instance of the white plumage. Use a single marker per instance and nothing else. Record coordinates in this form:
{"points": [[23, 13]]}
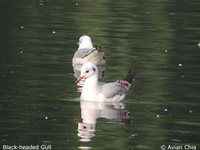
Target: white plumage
{"points": [[93, 90], [86, 52]]}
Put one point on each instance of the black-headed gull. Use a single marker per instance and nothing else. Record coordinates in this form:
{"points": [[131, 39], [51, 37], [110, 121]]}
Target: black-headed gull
{"points": [[103, 92], [86, 52]]}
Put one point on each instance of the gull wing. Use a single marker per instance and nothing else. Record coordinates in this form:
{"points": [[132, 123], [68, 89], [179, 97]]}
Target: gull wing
{"points": [[81, 53], [119, 87]]}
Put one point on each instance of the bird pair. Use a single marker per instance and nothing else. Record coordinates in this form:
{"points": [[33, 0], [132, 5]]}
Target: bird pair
{"points": [[93, 90]]}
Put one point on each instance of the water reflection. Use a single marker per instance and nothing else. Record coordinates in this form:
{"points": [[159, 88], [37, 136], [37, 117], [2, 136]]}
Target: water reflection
{"points": [[91, 111]]}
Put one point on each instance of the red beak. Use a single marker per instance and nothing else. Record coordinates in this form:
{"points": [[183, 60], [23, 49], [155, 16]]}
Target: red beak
{"points": [[77, 43], [79, 79]]}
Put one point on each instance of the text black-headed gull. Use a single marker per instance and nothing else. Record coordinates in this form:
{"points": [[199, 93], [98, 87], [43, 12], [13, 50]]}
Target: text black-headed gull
{"points": [[103, 92], [86, 52]]}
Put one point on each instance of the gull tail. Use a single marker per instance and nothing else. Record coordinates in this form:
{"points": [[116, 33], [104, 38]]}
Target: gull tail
{"points": [[129, 76], [99, 48]]}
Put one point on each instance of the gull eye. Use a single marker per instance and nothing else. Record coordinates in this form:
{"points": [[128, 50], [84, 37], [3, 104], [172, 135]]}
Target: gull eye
{"points": [[87, 71], [94, 69]]}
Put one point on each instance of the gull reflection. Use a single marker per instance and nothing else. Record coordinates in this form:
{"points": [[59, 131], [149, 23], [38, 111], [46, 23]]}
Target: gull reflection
{"points": [[91, 111]]}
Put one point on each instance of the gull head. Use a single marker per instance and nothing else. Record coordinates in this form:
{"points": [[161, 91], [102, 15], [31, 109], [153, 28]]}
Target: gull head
{"points": [[88, 70], [85, 42]]}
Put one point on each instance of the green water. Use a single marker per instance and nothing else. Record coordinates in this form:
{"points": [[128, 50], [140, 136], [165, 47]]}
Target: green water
{"points": [[39, 101]]}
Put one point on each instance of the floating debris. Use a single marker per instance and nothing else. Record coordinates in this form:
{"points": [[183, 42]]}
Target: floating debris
{"points": [[132, 135], [176, 140], [199, 44], [76, 4], [85, 147], [165, 109], [172, 13], [166, 51], [46, 117], [54, 32], [191, 111], [158, 116], [180, 65], [22, 27]]}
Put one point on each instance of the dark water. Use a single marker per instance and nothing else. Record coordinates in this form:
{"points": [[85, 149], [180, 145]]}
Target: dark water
{"points": [[39, 100]]}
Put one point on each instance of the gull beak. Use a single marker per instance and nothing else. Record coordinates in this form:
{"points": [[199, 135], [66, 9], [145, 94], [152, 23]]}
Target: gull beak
{"points": [[77, 43], [79, 79]]}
